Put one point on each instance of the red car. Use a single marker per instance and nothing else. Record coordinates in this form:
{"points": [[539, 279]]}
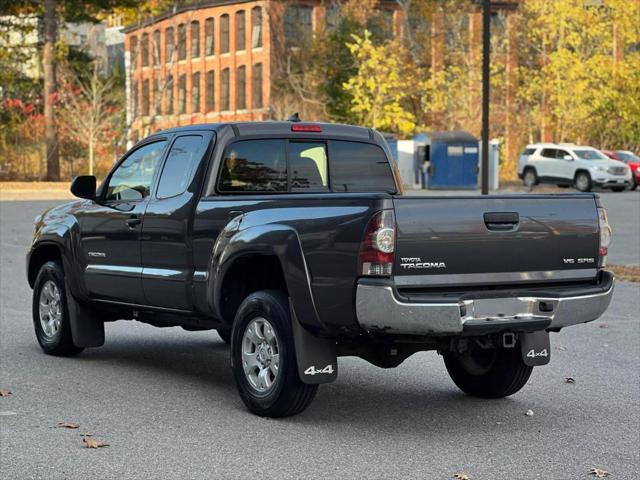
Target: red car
{"points": [[630, 159]]}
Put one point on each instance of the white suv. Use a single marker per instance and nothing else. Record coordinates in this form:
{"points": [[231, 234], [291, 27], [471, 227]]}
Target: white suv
{"points": [[568, 164]]}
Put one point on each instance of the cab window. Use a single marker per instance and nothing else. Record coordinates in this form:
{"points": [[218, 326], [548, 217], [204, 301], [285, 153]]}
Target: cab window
{"points": [[179, 166], [254, 166], [308, 164], [133, 177]]}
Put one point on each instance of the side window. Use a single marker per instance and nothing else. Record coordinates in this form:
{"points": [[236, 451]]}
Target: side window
{"points": [[549, 153], [133, 177], [359, 167], [308, 164], [254, 166], [561, 153], [178, 168], [528, 152]]}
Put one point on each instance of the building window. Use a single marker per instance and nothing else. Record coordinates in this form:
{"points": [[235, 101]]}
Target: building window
{"points": [[182, 94], [134, 53], [169, 95], [224, 33], [182, 41], [297, 24], [257, 85], [156, 97], [144, 49], [169, 45], [256, 27], [210, 101], [224, 90], [155, 48], [240, 30], [195, 39], [195, 92], [241, 88], [145, 97], [209, 42], [134, 98]]}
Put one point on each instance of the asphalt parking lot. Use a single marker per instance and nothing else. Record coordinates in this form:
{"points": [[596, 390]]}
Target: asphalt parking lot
{"points": [[164, 400]]}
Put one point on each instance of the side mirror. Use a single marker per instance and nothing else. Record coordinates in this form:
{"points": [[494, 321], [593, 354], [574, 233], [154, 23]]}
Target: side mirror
{"points": [[567, 157], [84, 186]]}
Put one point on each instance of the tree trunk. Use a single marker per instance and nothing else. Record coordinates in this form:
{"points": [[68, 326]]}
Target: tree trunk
{"points": [[50, 87]]}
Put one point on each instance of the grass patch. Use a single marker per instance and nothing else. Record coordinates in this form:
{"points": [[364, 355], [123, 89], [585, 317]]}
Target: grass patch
{"points": [[626, 273]]}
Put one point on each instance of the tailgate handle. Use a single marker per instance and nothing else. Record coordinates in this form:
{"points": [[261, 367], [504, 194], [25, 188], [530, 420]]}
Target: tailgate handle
{"points": [[501, 221]]}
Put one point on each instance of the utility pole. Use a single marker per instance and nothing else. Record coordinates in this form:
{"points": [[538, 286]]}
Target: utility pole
{"points": [[50, 87], [486, 54]]}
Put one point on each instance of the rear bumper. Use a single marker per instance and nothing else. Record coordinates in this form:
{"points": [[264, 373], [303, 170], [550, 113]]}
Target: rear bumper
{"points": [[379, 309]]}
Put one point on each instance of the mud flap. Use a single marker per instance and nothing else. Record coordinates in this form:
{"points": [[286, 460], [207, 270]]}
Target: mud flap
{"points": [[87, 329], [316, 357], [535, 348]]}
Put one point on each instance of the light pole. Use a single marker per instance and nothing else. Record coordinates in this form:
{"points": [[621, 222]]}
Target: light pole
{"points": [[486, 46]]}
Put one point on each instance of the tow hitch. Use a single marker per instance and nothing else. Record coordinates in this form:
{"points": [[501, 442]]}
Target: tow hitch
{"points": [[535, 348]]}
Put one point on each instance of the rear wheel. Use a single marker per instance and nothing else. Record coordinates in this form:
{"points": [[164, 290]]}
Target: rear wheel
{"points": [[488, 373], [530, 178], [583, 181], [50, 312], [263, 357], [635, 183]]}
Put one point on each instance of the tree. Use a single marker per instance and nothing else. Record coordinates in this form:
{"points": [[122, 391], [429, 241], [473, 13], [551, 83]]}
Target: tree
{"points": [[89, 108], [384, 82]]}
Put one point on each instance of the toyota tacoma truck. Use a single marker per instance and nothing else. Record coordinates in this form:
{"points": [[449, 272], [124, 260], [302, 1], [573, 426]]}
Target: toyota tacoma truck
{"points": [[296, 243]]}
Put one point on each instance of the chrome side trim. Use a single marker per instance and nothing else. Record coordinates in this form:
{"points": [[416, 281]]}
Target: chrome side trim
{"points": [[116, 270], [378, 309], [496, 278]]}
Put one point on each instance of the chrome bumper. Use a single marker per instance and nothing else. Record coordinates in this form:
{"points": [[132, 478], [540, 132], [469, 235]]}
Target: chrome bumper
{"points": [[378, 310]]}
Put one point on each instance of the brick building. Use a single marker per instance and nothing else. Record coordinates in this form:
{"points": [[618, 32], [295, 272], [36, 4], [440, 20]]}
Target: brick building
{"points": [[212, 62]]}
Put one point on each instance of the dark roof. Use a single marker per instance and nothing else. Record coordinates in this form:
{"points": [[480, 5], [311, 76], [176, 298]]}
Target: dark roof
{"points": [[451, 136]]}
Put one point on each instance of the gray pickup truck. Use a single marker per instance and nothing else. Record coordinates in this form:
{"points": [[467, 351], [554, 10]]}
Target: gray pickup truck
{"points": [[295, 242]]}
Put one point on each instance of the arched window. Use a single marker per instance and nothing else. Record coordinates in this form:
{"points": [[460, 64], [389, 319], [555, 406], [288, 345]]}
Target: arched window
{"points": [[209, 42], [169, 45], [224, 33], [257, 86], [224, 90], [195, 39], [210, 100], [240, 30], [182, 41], [256, 27], [297, 24], [182, 94], [144, 49], [241, 88], [134, 52], [195, 92]]}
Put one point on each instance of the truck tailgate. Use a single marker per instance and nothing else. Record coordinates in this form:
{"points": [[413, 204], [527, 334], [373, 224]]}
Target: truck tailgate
{"points": [[447, 241]]}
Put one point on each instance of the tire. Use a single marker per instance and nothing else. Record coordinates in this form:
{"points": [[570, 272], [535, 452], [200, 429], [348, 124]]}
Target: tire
{"points": [[51, 322], [286, 395], [492, 373], [225, 335], [635, 183], [530, 178], [582, 182]]}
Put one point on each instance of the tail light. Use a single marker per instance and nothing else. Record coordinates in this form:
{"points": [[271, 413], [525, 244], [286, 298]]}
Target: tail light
{"points": [[605, 236], [376, 251]]}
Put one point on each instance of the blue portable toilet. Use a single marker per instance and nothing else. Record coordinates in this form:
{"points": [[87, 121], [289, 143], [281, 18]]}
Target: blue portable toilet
{"points": [[452, 159]]}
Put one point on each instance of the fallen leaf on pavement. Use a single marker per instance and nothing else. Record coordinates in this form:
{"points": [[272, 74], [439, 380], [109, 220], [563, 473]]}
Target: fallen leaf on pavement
{"points": [[461, 476], [599, 473], [569, 380], [5, 393], [603, 325], [529, 413], [67, 425], [92, 443]]}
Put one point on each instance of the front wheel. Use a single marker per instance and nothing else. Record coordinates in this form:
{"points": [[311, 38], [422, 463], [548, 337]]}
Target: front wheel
{"points": [[50, 312], [488, 373], [583, 181], [263, 357]]}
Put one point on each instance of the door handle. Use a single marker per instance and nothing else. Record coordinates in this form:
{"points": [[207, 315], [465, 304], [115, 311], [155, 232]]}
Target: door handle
{"points": [[501, 221], [133, 221]]}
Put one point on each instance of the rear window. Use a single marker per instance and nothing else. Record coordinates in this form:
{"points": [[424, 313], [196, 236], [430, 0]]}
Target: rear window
{"points": [[298, 166], [359, 167]]}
